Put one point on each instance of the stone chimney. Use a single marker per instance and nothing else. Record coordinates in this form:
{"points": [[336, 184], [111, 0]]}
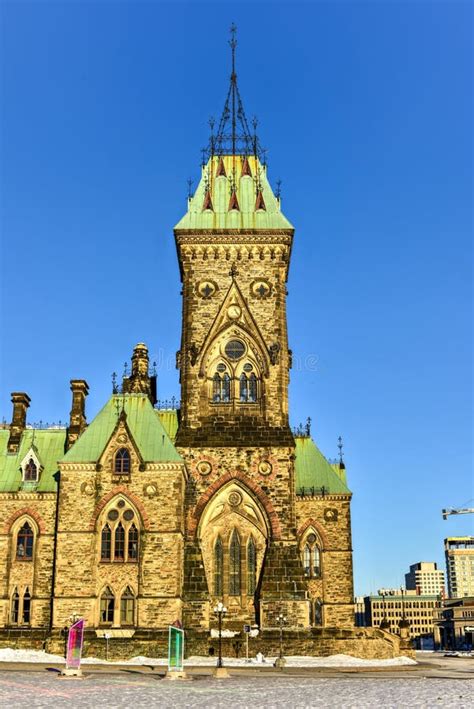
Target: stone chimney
{"points": [[21, 402], [77, 417], [139, 381]]}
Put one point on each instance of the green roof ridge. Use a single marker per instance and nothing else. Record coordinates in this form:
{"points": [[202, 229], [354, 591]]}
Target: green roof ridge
{"points": [[312, 469], [48, 445], [146, 428]]}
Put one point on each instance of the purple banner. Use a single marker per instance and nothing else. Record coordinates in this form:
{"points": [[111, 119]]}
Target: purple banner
{"points": [[74, 645]]}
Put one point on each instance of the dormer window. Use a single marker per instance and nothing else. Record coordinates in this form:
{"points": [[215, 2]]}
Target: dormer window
{"points": [[31, 466], [30, 473], [122, 462]]}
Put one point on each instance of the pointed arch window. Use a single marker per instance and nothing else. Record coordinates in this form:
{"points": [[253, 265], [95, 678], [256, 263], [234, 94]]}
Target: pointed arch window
{"points": [[122, 462], [119, 547], [24, 543], [218, 567], [234, 564], [307, 560], [132, 543], [30, 473], [252, 388], [221, 388], [107, 606], [251, 566], [127, 607], [106, 543], [244, 387], [26, 612], [312, 557], [15, 609]]}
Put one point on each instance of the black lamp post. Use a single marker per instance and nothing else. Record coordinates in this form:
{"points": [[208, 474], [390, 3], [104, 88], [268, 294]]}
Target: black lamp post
{"points": [[280, 662], [220, 610]]}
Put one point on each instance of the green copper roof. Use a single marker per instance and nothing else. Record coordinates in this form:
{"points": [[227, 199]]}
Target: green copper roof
{"points": [[169, 419], [313, 470], [214, 191], [145, 427], [49, 447]]}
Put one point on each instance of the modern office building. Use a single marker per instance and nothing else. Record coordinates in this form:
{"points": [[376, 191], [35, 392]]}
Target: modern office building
{"points": [[459, 553], [425, 578], [394, 606]]}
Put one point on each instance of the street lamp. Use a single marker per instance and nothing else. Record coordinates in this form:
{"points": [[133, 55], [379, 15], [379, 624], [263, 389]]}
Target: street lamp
{"points": [[220, 610], [280, 661]]}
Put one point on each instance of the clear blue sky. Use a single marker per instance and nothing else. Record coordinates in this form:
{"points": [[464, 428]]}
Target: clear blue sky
{"points": [[366, 109]]}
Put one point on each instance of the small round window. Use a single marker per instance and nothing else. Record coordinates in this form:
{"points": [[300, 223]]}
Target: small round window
{"points": [[235, 350], [221, 367]]}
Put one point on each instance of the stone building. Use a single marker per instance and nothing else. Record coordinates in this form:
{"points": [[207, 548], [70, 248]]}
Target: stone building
{"points": [[146, 515]]}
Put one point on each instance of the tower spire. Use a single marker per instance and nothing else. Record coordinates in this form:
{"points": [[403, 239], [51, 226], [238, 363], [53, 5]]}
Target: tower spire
{"points": [[233, 136]]}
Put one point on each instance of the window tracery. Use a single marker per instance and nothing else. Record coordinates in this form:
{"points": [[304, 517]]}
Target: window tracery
{"points": [[30, 472], [107, 607], [311, 553], [127, 607], [119, 534], [234, 565]]}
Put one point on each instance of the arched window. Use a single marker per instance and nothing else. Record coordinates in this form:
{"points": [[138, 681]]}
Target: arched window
{"points": [[26, 607], [216, 388], [226, 388], [252, 388], [312, 556], [316, 561], [15, 612], [122, 462], [132, 543], [106, 543], [30, 471], [127, 607], [243, 387], [218, 567], [307, 560], [119, 548], [251, 566], [107, 604], [234, 565], [24, 543]]}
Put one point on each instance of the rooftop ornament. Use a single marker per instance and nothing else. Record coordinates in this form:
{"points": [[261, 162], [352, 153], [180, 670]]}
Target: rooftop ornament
{"points": [[233, 136]]}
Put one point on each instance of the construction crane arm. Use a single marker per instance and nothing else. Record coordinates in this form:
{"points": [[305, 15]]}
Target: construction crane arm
{"points": [[457, 511]]}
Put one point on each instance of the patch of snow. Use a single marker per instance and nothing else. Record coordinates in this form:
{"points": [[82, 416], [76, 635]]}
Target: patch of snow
{"points": [[15, 655]]}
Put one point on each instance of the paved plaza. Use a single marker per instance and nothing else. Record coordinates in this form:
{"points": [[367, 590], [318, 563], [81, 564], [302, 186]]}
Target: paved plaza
{"points": [[439, 682]]}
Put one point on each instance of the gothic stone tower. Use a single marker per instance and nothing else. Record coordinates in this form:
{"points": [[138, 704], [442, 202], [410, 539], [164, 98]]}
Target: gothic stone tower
{"points": [[234, 248]]}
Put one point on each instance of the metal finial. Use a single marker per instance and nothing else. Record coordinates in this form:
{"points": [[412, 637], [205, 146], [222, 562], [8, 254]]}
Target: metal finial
{"points": [[278, 189], [340, 446], [233, 40], [308, 427], [212, 123], [114, 383], [190, 186], [153, 369], [125, 369]]}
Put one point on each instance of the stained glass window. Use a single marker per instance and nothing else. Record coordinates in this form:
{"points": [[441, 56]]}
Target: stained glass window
{"points": [[15, 607], [234, 565], [127, 603], [119, 548], [31, 471], [243, 387], [24, 543], [218, 567], [122, 462], [252, 388], [106, 543], [235, 350], [251, 566], [307, 560], [107, 603], [132, 543]]}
